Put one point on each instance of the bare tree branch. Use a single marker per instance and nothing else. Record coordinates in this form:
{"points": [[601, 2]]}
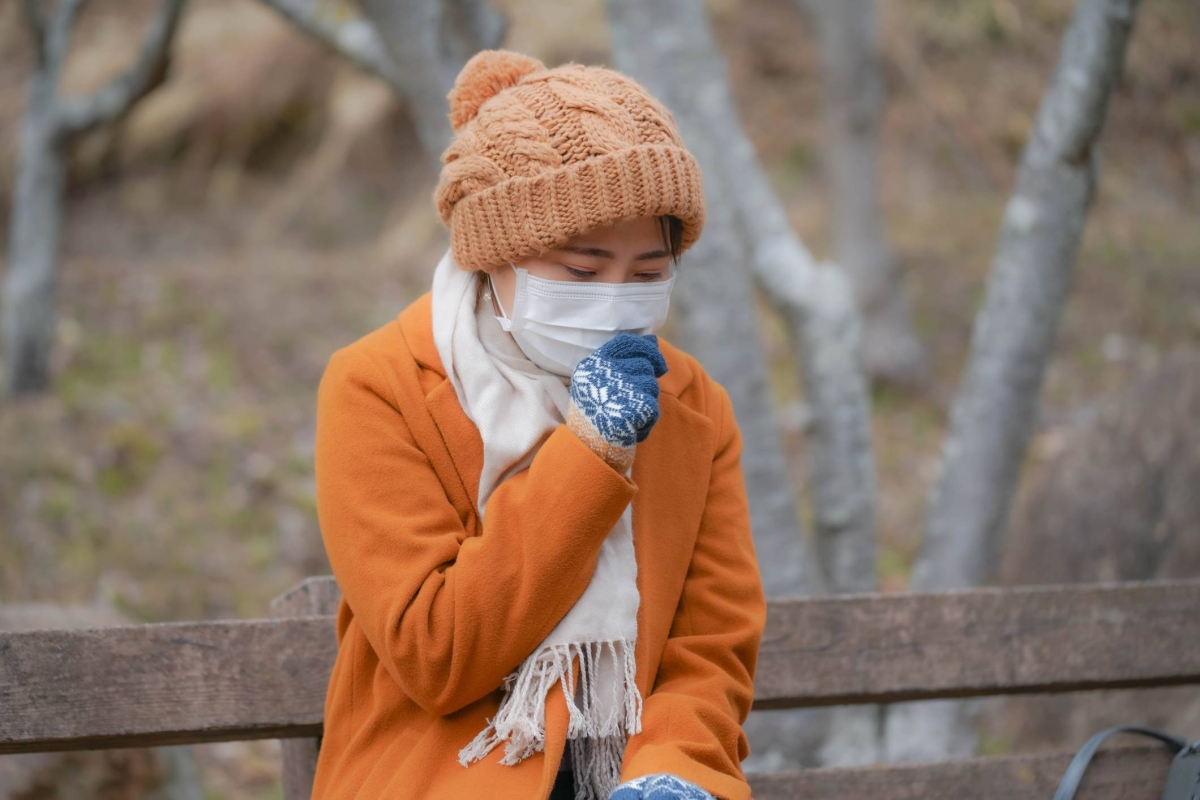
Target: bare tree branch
{"points": [[469, 26], [78, 115], [413, 31], [1027, 287], [668, 46], [417, 47], [1012, 341], [355, 38], [852, 106], [58, 35], [818, 305], [37, 28], [816, 301], [27, 304], [27, 314]]}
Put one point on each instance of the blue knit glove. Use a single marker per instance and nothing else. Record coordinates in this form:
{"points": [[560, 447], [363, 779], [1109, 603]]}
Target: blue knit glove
{"points": [[614, 396], [659, 786]]}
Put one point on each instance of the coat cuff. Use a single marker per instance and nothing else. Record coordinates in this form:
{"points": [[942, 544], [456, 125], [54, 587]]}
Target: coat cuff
{"points": [[618, 457], [653, 758]]}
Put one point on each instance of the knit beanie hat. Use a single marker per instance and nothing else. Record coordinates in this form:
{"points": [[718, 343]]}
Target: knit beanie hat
{"points": [[540, 155]]}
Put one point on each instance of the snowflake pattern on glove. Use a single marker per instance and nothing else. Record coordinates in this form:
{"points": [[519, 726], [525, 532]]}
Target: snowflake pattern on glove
{"points": [[659, 786], [621, 411]]}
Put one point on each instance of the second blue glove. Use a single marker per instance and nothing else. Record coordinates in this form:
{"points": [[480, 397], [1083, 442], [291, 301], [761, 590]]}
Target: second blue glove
{"points": [[659, 786]]}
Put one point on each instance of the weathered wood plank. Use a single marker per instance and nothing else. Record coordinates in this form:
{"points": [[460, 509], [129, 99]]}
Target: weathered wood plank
{"points": [[226, 680], [889, 648], [164, 683], [312, 597], [895, 647], [299, 756], [1120, 773]]}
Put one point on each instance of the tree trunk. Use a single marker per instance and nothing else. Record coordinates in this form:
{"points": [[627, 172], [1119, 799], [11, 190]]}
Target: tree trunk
{"points": [[469, 26], [416, 46], [667, 47], [345, 33], [47, 124], [411, 32], [852, 105], [33, 244], [1013, 338], [817, 303], [716, 303]]}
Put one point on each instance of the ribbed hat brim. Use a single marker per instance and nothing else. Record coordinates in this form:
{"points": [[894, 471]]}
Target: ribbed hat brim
{"points": [[522, 216]]}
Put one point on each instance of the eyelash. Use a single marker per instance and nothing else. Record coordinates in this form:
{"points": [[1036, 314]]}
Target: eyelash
{"points": [[579, 273]]}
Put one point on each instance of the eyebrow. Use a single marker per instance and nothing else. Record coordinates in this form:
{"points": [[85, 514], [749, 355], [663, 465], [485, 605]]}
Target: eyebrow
{"points": [[600, 252]]}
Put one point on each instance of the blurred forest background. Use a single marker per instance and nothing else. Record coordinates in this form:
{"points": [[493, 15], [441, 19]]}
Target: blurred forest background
{"points": [[270, 203]]}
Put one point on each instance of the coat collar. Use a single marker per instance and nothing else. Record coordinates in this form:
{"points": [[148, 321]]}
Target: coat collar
{"points": [[417, 322]]}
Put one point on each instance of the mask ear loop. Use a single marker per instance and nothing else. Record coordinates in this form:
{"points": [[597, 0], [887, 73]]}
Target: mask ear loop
{"points": [[496, 294]]}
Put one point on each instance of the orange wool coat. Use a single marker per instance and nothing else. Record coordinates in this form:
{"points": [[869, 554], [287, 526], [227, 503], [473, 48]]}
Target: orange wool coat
{"points": [[437, 609]]}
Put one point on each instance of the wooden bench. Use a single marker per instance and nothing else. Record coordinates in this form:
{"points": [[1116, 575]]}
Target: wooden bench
{"points": [[231, 680]]}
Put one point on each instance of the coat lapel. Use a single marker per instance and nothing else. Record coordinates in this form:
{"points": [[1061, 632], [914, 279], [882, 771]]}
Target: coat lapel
{"points": [[671, 469], [458, 433]]}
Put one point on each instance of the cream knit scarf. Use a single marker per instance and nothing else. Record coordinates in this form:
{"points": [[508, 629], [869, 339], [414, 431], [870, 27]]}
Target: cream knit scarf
{"points": [[516, 405]]}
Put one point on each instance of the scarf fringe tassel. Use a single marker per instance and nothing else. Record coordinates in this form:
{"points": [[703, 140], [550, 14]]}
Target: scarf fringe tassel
{"points": [[596, 738]]}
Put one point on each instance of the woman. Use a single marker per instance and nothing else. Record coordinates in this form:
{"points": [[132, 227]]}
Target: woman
{"points": [[534, 508]]}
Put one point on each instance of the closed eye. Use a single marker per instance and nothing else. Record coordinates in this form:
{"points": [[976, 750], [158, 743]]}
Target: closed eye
{"points": [[578, 273], [648, 276]]}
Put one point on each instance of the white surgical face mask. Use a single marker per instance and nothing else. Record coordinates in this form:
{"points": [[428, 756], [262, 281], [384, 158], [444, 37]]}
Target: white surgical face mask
{"points": [[559, 323]]}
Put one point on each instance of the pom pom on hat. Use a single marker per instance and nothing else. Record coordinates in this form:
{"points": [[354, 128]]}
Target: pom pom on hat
{"points": [[486, 74]]}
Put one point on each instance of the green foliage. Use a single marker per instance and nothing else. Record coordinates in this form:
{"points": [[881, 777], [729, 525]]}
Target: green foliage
{"points": [[799, 164], [133, 452], [891, 565], [994, 744], [1188, 116]]}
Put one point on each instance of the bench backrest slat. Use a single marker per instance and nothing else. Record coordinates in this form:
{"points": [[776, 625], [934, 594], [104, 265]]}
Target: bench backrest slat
{"points": [[181, 682], [299, 756], [889, 648], [895, 647], [164, 683], [1120, 773]]}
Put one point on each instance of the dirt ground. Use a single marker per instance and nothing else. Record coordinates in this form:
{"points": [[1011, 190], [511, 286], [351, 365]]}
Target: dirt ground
{"points": [[269, 205]]}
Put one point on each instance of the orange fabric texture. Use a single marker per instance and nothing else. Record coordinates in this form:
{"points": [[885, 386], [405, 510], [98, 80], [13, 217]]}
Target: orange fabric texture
{"points": [[438, 608], [542, 154]]}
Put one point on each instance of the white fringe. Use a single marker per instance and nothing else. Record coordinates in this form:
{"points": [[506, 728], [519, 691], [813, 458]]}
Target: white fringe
{"points": [[597, 738]]}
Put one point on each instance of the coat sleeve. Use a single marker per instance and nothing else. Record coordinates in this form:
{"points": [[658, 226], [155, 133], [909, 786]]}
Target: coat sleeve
{"points": [[448, 614], [692, 718]]}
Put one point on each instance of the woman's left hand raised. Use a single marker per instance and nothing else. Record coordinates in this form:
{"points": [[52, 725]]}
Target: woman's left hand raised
{"points": [[614, 396]]}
